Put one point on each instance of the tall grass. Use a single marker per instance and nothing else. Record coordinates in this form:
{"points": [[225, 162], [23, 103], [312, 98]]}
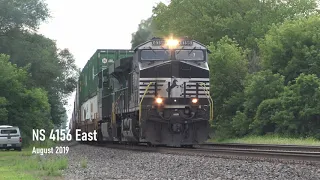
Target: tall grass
{"points": [[270, 139], [24, 165]]}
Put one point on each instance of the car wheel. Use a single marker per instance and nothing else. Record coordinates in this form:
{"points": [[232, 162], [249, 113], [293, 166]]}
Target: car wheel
{"points": [[18, 149]]}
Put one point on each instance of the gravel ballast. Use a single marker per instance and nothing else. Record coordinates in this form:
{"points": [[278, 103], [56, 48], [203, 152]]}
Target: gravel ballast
{"points": [[106, 163]]}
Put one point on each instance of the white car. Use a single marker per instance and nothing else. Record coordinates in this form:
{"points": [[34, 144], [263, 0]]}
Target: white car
{"points": [[10, 138]]}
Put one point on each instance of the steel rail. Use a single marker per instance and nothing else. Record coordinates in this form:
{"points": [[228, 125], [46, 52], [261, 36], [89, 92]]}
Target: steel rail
{"points": [[261, 147], [227, 150]]}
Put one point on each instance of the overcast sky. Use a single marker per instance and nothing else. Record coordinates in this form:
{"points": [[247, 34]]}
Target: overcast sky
{"points": [[84, 26]]}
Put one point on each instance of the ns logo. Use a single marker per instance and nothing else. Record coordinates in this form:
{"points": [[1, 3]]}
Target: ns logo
{"points": [[105, 60]]}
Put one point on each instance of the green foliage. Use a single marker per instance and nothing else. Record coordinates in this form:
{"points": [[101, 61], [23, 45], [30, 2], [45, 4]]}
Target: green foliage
{"points": [[293, 48], [300, 110], [266, 110], [22, 106], [245, 21], [210, 20], [3, 110], [36, 76], [290, 110], [259, 86], [22, 14], [228, 69], [240, 123], [145, 32]]}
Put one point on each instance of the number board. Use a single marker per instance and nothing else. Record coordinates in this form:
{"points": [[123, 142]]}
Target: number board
{"points": [[185, 43], [160, 42]]}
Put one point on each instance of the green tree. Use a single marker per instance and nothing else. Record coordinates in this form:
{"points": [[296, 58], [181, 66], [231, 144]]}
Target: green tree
{"points": [[263, 122], [22, 14], [3, 110], [299, 114], [293, 48], [228, 66], [210, 20], [245, 21], [23, 106], [50, 68], [259, 86], [145, 32]]}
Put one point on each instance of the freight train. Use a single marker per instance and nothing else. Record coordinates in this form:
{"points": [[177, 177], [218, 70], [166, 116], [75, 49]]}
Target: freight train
{"points": [[157, 93]]}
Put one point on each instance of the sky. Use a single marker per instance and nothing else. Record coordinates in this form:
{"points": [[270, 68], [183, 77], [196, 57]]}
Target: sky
{"points": [[84, 26]]}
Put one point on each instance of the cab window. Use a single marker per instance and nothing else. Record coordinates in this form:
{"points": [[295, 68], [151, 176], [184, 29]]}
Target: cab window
{"points": [[189, 55], [160, 55]]}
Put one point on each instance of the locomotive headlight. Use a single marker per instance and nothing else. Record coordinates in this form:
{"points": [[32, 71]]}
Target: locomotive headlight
{"points": [[194, 100], [172, 43], [159, 100]]}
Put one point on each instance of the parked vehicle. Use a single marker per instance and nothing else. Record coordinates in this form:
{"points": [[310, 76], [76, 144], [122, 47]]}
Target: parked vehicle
{"points": [[10, 138]]}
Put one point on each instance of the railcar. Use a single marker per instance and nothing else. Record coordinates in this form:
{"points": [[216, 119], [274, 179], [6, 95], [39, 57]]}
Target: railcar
{"points": [[157, 93]]}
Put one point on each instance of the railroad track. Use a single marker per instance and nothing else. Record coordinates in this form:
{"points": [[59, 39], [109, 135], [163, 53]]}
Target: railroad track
{"points": [[292, 152], [262, 147], [289, 152]]}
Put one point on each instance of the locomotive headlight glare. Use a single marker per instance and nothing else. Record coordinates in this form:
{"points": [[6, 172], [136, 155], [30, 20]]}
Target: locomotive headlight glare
{"points": [[159, 100], [194, 100], [172, 43]]}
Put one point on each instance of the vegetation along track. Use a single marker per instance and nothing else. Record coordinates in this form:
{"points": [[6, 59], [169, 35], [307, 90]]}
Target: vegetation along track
{"points": [[290, 152]]}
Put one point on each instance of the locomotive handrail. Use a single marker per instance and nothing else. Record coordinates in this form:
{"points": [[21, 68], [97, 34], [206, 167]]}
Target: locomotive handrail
{"points": [[114, 105], [113, 118], [120, 94], [119, 90], [209, 99], [145, 92]]}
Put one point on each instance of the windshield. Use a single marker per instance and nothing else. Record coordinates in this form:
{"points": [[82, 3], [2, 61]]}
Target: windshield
{"points": [[189, 55], [9, 131], [155, 55]]}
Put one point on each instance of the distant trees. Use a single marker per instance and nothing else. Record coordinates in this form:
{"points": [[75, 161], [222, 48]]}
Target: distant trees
{"points": [[144, 32], [264, 63], [36, 76]]}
